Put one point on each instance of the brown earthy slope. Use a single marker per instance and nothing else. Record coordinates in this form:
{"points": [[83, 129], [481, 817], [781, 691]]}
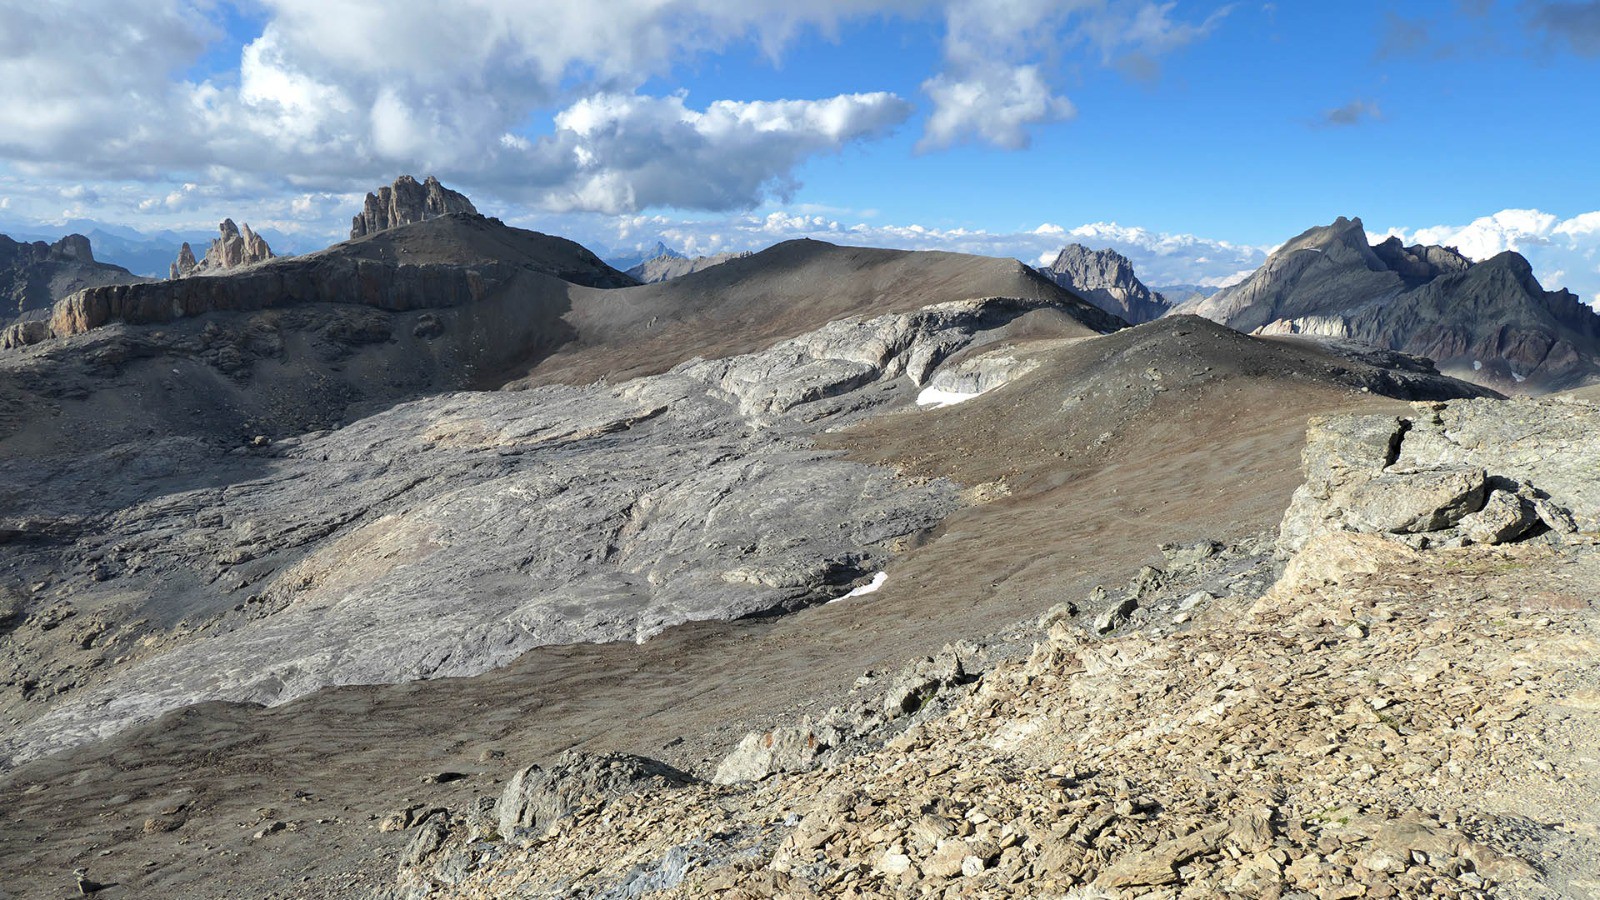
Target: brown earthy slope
{"points": [[786, 290], [1209, 449]]}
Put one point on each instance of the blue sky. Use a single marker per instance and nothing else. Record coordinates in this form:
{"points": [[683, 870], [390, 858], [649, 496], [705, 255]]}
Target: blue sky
{"points": [[1191, 135]]}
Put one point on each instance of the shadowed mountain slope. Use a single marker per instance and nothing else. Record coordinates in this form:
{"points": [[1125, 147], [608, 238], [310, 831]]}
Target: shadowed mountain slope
{"points": [[35, 275], [1490, 322]]}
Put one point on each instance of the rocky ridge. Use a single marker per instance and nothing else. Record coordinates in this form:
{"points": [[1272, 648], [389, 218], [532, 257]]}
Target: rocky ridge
{"points": [[664, 267], [35, 275], [1490, 322], [1370, 720], [1106, 279], [233, 248], [405, 202]]}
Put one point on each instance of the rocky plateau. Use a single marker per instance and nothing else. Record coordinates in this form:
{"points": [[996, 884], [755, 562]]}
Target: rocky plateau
{"points": [[451, 561]]}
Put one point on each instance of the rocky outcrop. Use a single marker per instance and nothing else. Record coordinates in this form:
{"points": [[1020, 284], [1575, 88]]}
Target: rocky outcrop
{"points": [[1490, 322], [234, 248], [581, 515], [35, 275], [665, 267], [1463, 472], [405, 202], [1106, 279]]}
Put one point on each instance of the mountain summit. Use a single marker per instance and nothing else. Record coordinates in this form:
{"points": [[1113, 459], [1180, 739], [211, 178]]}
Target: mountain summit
{"points": [[35, 275], [1489, 321], [1106, 279]]}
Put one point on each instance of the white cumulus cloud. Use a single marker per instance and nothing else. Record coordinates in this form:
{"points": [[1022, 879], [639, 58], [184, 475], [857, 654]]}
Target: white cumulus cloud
{"points": [[1563, 252]]}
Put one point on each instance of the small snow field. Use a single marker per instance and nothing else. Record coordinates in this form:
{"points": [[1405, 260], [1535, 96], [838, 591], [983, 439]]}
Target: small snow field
{"points": [[935, 398], [868, 588]]}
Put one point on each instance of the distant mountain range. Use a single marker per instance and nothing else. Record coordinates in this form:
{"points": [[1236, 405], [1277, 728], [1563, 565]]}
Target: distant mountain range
{"points": [[672, 265], [147, 254], [1490, 322], [627, 260]]}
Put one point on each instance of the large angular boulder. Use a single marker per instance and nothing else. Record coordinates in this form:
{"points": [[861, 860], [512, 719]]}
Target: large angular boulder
{"points": [[536, 798], [786, 749], [1414, 501]]}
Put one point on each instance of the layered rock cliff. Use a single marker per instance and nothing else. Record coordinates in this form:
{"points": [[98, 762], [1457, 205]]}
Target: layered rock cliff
{"points": [[1489, 321], [233, 248], [405, 202], [1106, 279]]}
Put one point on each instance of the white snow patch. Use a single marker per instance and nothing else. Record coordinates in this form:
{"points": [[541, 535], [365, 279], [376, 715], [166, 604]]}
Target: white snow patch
{"points": [[870, 587], [939, 399], [1477, 366], [1520, 378]]}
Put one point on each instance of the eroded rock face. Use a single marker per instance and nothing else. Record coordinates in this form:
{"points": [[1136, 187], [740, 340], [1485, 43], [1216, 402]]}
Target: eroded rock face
{"points": [[233, 248], [1106, 279], [1466, 471], [405, 202]]}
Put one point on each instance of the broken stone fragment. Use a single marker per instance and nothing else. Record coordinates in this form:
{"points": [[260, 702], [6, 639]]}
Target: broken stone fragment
{"points": [[1504, 517], [788, 749], [1415, 501]]}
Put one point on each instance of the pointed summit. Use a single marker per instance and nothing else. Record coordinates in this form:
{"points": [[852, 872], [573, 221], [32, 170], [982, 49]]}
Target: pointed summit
{"points": [[1106, 279], [405, 202]]}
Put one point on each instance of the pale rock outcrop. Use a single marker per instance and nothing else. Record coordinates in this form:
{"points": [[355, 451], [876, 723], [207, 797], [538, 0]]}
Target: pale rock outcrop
{"points": [[1466, 471], [407, 201], [1106, 279], [596, 513], [235, 247]]}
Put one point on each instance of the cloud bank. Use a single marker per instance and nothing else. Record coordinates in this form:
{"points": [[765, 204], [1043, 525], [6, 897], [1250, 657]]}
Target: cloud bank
{"points": [[1563, 252], [544, 102]]}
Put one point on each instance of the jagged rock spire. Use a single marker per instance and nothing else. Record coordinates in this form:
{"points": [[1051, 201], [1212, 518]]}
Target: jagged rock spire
{"points": [[405, 202]]}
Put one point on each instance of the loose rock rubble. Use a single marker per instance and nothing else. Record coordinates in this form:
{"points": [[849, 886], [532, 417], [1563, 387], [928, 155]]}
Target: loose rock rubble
{"points": [[1381, 722]]}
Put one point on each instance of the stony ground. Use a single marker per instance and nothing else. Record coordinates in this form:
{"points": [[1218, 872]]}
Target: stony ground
{"points": [[1382, 722]]}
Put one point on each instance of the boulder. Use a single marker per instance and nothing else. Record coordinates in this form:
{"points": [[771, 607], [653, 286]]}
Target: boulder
{"points": [[1414, 501], [536, 798], [787, 749], [1486, 471], [1504, 517]]}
